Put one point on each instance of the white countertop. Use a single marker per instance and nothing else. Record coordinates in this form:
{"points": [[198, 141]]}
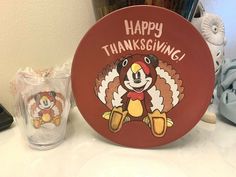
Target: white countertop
{"points": [[207, 150]]}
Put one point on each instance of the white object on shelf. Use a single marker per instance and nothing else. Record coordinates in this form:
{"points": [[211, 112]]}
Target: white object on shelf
{"points": [[212, 29]]}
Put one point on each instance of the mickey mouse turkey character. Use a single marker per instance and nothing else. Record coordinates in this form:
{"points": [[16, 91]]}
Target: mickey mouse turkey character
{"points": [[139, 88]]}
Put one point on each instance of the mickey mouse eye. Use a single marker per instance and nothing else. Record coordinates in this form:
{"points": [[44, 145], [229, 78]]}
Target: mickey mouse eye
{"points": [[147, 60], [125, 62]]}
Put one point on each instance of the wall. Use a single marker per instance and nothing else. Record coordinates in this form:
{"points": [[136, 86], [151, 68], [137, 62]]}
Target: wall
{"points": [[39, 34], [43, 33]]}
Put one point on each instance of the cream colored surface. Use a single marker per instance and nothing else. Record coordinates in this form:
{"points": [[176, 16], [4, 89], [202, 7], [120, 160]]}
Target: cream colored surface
{"points": [[39, 34], [207, 151]]}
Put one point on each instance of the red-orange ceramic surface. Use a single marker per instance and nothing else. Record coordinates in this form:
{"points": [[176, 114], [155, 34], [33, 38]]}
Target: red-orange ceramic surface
{"points": [[142, 76]]}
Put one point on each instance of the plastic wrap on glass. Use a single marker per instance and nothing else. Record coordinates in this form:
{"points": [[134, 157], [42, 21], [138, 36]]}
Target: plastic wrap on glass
{"points": [[42, 105]]}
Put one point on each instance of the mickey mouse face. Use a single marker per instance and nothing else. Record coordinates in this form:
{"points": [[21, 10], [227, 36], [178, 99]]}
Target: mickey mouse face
{"points": [[45, 100], [137, 72]]}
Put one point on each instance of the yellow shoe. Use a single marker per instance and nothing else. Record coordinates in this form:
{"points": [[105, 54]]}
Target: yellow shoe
{"points": [[37, 123], [57, 120], [116, 119], [159, 123], [146, 120]]}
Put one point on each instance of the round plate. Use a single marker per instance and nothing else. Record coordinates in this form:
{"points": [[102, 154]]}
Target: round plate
{"points": [[142, 76]]}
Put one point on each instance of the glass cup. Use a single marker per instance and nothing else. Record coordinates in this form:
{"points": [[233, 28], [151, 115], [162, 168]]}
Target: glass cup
{"points": [[42, 108]]}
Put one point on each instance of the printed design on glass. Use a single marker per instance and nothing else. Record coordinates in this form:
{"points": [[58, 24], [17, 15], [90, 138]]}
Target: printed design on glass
{"points": [[46, 107], [139, 88]]}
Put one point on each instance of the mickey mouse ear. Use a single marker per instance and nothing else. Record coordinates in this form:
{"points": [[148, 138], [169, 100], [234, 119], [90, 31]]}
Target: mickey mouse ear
{"points": [[52, 93]]}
